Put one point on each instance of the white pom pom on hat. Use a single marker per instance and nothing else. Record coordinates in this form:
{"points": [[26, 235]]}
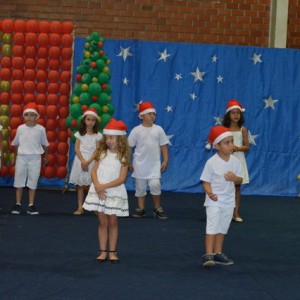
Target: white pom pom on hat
{"points": [[216, 135], [232, 104], [145, 108]]}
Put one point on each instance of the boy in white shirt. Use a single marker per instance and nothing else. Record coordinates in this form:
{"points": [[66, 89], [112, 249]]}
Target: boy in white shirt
{"points": [[220, 175], [30, 144], [150, 141]]}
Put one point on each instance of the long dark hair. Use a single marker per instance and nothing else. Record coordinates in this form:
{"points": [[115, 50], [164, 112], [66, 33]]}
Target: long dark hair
{"points": [[82, 126]]}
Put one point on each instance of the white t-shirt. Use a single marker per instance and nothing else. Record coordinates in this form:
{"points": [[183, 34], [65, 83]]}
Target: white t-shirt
{"points": [[30, 139], [146, 158], [214, 171]]}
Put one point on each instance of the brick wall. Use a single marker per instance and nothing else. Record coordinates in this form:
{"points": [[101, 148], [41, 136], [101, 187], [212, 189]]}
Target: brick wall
{"points": [[293, 36], [231, 22]]}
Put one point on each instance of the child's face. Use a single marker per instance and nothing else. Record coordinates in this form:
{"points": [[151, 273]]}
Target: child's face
{"points": [[235, 115], [111, 142], [90, 121], [149, 118], [30, 118], [226, 146]]}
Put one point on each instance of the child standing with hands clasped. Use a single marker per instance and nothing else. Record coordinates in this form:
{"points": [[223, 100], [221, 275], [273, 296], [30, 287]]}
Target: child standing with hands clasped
{"points": [[107, 195], [87, 140], [234, 120], [220, 175], [150, 141], [30, 144]]}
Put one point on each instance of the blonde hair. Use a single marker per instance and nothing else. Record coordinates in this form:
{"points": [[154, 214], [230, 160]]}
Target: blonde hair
{"points": [[123, 152]]}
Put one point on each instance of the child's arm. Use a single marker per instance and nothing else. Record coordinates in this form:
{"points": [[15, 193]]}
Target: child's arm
{"points": [[165, 154], [93, 155], [230, 176], [46, 158], [245, 146], [208, 191], [13, 161], [84, 165]]}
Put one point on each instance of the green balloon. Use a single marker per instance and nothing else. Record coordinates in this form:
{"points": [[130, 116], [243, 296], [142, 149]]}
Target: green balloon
{"points": [[104, 120], [77, 89], [111, 108], [86, 63], [85, 99], [81, 69], [103, 99], [94, 44], [69, 122], [103, 78], [93, 72], [95, 55], [79, 120], [95, 36], [97, 107], [76, 110], [108, 90], [86, 78], [100, 64], [94, 88]]}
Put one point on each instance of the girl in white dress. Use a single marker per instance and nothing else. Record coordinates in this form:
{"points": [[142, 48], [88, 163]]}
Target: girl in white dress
{"points": [[87, 140], [107, 195], [234, 120]]}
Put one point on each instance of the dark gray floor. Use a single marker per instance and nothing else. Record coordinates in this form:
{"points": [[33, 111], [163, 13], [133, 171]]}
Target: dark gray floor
{"points": [[51, 256]]}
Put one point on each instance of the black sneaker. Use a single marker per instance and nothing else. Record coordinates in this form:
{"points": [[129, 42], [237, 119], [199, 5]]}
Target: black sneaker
{"points": [[16, 210], [159, 213], [139, 213], [222, 259], [208, 260], [31, 210]]}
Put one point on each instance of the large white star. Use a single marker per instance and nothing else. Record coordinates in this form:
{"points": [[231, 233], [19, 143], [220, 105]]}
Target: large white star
{"points": [[252, 137], [193, 96], [178, 76], [220, 79], [169, 108], [169, 137], [125, 81], [214, 58], [124, 53], [198, 75], [164, 55], [256, 58], [270, 102], [219, 120]]}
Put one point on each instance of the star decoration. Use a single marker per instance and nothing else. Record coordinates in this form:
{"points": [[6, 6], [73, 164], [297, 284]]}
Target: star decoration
{"points": [[198, 75], [270, 102], [178, 76], [220, 79], [169, 137], [256, 58], [136, 105], [252, 137], [164, 55], [214, 59], [169, 108], [125, 81], [124, 53], [193, 96], [219, 120]]}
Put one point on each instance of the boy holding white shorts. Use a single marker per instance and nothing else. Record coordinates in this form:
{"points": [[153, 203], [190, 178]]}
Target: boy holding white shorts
{"points": [[30, 144], [220, 175]]}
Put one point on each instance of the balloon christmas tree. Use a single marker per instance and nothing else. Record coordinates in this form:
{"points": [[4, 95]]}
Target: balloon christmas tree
{"points": [[92, 89]]}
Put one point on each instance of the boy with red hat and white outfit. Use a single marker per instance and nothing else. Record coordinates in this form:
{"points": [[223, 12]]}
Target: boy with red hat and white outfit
{"points": [[30, 144], [220, 175], [150, 141]]}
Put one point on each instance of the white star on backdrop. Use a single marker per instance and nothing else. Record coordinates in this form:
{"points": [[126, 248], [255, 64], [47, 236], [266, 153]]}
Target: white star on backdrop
{"points": [[169, 108], [270, 102], [125, 81], [169, 137], [124, 53], [136, 105], [178, 76], [220, 79], [214, 58], [219, 120], [164, 55], [252, 137], [198, 75], [256, 58], [193, 96]]}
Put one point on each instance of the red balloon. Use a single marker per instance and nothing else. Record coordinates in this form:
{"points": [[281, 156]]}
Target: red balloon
{"points": [[28, 98], [53, 76], [52, 99], [19, 38], [32, 26], [41, 75], [6, 62], [52, 111], [51, 135], [15, 122], [54, 52], [16, 86], [67, 40], [20, 26], [17, 74], [30, 63], [62, 148], [44, 26], [42, 64], [40, 121], [41, 99], [52, 160], [52, 147], [16, 110], [5, 74], [43, 40], [31, 39], [4, 171], [53, 88], [8, 26], [29, 87], [67, 27], [30, 51], [66, 53], [18, 50], [65, 76], [61, 160], [51, 124], [29, 74], [61, 172], [65, 88], [49, 172], [54, 64], [55, 27], [63, 100], [55, 39], [41, 87], [62, 125], [18, 62], [12, 133], [63, 112], [17, 98], [11, 171], [62, 136], [42, 52], [5, 98], [66, 65], [42, 110]]}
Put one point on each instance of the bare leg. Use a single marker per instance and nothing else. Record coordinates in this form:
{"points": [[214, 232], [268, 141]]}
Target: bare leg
{"points": [[156, 201], [210, 240], [31, 196], [113, 235], [19, 193], [237, 201], [102, 234], [141, 202], [80, 197], [219, 240]]}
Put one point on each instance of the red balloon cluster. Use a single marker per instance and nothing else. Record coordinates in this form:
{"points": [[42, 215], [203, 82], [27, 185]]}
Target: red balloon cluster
{"points": [[37, 68]]}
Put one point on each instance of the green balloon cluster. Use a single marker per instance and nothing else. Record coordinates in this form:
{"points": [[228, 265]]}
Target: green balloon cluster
{"points": [[92, 88]]}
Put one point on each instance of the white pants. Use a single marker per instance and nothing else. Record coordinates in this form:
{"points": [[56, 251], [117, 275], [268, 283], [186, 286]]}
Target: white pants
{"points": [[218, 219], [28, 169], [141, 187]]}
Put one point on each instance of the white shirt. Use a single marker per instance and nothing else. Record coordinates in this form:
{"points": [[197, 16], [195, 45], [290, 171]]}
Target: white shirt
{"points": [[214, 171], [30, 139], [88, 142], [146, 158]]}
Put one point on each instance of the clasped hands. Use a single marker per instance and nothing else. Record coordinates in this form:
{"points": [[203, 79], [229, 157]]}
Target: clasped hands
{"points": [[100, 191]]}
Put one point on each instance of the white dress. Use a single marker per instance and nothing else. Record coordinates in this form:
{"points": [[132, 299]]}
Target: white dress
{"points": [[88, 143], [116, 202], [238, 142]]}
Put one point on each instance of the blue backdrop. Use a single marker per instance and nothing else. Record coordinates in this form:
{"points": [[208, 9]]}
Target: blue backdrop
{"points": [[190, 85]]}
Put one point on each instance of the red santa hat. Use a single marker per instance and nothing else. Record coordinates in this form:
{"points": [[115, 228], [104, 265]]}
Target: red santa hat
{"points": [[216, 135], [232, 104], [145, 108], [114, 127], [31, 107], [92, 112]]}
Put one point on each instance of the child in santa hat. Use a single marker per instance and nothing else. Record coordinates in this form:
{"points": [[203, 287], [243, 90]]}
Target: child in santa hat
{"points": [[234, 120], [149, 141], [30, 144], [220, 175]]}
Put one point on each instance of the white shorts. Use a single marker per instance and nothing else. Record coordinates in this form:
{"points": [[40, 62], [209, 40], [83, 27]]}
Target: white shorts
{"points": [[141, 187], [27, 171], [218, 219]]}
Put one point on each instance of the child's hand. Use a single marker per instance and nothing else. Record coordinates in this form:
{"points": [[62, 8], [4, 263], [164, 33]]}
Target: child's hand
{"points": [[229, 176], [45, 160], [212, 196], [130, 168], [102, 195], [84, 166], [163, 166]]}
